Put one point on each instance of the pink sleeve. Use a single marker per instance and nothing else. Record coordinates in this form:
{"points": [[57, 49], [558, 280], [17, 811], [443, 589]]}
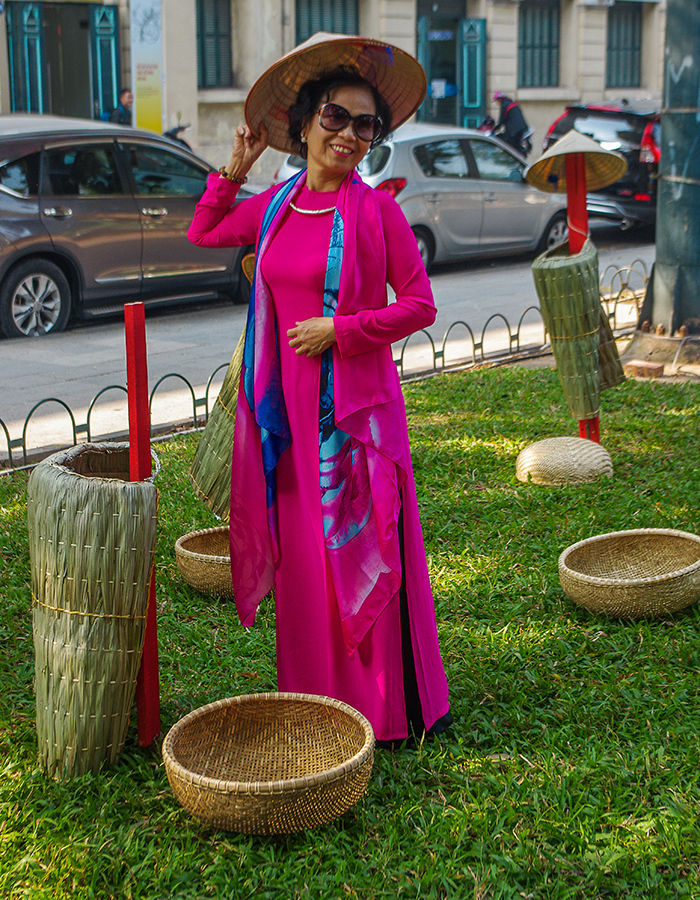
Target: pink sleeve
{"points": [[218, 223], [414, 308]]}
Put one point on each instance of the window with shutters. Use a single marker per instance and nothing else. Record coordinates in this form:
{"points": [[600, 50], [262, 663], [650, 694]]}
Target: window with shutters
{"points": [[337, 16], [538, 43], [214, 64], [624, 57]]}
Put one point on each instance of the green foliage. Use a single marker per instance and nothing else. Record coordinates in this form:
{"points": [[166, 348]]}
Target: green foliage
{"points": [[572, 768]]}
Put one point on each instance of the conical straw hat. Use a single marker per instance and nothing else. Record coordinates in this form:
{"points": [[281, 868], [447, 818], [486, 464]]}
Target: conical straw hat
{"points": [[395, 74], [603, 167]]}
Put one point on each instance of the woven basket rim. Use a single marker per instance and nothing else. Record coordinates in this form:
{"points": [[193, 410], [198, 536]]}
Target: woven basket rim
{"points": [[60, 459], [287, 785], [631, 582], [202, 557]]}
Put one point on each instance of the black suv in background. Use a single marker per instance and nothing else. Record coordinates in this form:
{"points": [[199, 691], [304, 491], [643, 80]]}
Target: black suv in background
{"points": [[632, 129]]}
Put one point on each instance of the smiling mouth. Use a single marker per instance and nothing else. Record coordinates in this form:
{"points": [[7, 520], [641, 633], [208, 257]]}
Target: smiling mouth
{"points": [[344, 151]]}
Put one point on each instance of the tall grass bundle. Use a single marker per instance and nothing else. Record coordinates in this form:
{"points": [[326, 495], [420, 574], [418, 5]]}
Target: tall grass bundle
{"points": [[569, 295], [611, 371], [92, 535], [211, 467]]}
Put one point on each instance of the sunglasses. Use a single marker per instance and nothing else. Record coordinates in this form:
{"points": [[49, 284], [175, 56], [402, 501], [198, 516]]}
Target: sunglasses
{"points": [[334, 118]]}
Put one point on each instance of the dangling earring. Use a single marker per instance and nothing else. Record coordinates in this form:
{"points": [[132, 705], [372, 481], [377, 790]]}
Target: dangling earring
{"points": [[303, 139]]}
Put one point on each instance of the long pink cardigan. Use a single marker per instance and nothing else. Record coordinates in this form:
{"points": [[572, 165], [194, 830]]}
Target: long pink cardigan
{"points": [[368, 405]]}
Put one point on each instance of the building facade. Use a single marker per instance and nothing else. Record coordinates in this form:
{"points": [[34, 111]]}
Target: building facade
{"points": [[70, 57]]}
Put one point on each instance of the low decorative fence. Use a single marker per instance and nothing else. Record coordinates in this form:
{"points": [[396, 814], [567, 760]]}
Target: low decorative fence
{"points": [[622, 292]]}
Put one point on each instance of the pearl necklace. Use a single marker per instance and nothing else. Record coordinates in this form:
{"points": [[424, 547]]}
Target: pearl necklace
{"points": [[311, 212]]}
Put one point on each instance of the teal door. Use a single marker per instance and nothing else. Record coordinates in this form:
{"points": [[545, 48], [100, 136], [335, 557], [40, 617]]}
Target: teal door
{"points": [[453, 53], [64, 57]]}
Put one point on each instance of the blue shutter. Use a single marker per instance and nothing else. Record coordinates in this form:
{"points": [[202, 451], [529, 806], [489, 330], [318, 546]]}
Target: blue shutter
{"points": [[104, 48], [214, 61], [337, 16], [26, 56], [624, 50], [538, 43]]}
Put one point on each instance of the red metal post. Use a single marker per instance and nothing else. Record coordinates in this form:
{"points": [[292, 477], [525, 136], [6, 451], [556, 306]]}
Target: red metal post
{"points": [[576, 211], [147, 685], [577, 215]]}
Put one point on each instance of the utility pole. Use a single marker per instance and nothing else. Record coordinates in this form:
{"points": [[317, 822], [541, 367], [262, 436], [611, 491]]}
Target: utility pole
{"points": [[676, 282]]}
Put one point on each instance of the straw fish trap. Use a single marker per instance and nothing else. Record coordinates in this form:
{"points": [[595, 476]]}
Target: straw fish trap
{"points": [[586, 356], [563, 460], [633, 574], [269, 763], [204, 560], [92, 536]]}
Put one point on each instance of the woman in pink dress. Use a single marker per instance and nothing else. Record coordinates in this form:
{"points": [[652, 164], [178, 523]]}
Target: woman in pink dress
{"points": [[323, 502]]}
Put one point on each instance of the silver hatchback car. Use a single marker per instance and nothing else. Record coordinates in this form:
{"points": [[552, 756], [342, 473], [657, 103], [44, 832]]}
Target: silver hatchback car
{"points": [[463, 192]]}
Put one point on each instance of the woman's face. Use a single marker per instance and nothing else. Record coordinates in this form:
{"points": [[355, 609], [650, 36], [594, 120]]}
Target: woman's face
{"points": [[332, 154]]}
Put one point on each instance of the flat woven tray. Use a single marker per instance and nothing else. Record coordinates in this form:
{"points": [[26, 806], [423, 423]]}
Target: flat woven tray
{"points": [[269, 763], [204, 560], [634, 574], [563, 460]]}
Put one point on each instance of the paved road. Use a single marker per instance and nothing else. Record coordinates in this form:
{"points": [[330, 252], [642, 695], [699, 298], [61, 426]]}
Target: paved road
{"points": [[192, 342]]}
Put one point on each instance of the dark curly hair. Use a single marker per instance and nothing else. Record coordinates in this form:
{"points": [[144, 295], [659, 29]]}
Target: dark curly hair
{"points": [[316, 92]]}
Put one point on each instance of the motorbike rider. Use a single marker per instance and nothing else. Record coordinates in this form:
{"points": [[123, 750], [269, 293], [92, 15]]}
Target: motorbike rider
{"points": [[511, 126]]}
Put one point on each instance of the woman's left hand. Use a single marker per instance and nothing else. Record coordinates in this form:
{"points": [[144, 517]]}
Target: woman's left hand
{"points": [[312, 336]]}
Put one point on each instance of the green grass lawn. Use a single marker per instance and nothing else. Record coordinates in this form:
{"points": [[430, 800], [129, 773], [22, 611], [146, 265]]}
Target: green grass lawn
{"points": [[572, 767]]}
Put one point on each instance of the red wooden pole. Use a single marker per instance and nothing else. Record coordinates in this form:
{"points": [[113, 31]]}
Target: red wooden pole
{"points": [[577, 215], [147, 684], [576, 211]]}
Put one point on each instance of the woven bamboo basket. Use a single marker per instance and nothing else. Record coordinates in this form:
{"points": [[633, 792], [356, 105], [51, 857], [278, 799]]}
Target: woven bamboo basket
{"points": [[634, 574], [269, 763], [92, 537], [204, 560], [563, 460]]}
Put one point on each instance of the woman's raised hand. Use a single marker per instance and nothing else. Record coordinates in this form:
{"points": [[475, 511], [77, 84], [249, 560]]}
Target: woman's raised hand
{"points": [[247, 148]]}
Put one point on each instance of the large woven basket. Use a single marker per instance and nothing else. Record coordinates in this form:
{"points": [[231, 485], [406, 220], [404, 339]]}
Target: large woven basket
{"points": [[269, 763], [92, 538], [634, 574], [204, 560], [563, 460]]}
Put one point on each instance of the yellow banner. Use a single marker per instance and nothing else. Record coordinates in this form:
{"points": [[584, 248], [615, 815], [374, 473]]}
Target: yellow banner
{"points": [[147, 63]]}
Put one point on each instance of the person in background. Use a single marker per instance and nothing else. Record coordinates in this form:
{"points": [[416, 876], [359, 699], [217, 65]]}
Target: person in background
{"points": [[511, 126], [323, 501], [122, 114]]}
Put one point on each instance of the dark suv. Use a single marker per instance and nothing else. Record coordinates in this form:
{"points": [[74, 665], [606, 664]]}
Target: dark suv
{"points": [[632, 129], [93, 216]]}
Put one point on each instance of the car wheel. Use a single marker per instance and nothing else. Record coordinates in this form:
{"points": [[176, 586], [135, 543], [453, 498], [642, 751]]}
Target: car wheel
{"points": [[426, 246], [35, 299], [555, 233]]}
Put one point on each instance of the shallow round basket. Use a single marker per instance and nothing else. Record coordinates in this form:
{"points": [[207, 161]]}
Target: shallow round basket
{"points": [[269, 763], [633, 574], [204, 560], [563, 460]]}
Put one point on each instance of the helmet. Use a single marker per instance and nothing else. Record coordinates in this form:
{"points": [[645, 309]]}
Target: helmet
{"points": [[499, 95]]}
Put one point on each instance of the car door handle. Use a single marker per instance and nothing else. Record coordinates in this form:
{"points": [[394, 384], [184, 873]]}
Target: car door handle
{"points": [[433, 198], [490, 198], [58, 212], [155, 213]]}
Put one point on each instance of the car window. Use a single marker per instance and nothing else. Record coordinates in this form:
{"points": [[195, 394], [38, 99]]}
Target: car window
{"points": [[612, 131], [160, 172], [374, 161], [86, 171], [494, 162], [442, 159], [21, 176]]}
